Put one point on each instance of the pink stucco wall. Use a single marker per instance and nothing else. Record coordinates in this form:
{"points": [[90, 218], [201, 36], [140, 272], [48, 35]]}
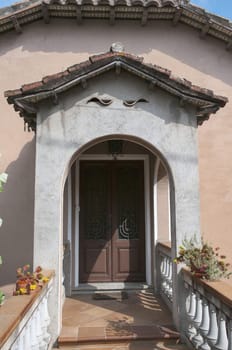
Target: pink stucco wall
{"points": [[46, 49]]}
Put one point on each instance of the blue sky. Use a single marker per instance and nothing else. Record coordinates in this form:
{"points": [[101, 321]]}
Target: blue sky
{"points": [[220, 7]]}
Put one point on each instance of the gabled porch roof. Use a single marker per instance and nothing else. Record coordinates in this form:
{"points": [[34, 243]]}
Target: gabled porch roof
{"points": [[27, 97]]}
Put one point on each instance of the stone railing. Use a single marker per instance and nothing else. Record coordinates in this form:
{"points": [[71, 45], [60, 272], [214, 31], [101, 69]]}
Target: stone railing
{"points": [[164, 269], [208, 313], [27, 321]]}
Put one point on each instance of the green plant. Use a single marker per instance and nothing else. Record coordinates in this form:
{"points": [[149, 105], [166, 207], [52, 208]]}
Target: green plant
{"points": [[203, 260], [2, 297]]}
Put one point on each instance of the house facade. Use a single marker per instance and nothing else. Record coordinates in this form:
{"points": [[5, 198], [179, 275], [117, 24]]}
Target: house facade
{"points": [[122, 153]]}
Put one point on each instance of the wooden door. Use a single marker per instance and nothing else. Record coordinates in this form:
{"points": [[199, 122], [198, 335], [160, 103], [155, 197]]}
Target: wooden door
{"points": [[112, 246]]}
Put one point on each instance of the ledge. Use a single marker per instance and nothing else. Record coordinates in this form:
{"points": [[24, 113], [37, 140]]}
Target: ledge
{"points": [[166, 245], [15, 308], [219, 289]]}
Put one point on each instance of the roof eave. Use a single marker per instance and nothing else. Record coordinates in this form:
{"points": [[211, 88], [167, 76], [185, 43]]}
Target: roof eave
{"points": [[176, 11], [26, 99]]}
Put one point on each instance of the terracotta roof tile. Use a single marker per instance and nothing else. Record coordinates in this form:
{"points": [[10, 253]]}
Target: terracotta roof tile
{"points": [[56, 76], [178, 11], [158, 3], [54, 84], [161, 69], [10, 93], [182, 81], [110, 54], [78, 66], [202, 90], [31, 86]]}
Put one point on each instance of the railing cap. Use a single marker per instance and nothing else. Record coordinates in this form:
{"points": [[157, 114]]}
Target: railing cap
{"points": [[218, 289]]}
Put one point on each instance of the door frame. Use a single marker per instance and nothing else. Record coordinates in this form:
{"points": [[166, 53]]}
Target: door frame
{"points": [[148, 245]]}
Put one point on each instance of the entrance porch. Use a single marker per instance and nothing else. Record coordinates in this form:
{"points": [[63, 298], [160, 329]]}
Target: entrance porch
{"points": [[134, 320], [114, 96]]}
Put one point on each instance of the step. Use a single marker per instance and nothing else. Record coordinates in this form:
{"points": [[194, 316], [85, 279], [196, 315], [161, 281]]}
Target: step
{"points": [[119, 331], [87, 288], [117, 320], [168, 344]]}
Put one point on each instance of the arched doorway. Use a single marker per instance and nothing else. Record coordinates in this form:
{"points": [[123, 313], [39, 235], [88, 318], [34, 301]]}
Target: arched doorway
{"points": [[116, 207]]}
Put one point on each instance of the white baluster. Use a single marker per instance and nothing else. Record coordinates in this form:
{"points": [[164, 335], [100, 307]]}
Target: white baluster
{"points": [[192, 307], [39, 333], [198, 314], [27, 337], [191, 330], [170, 279], [230, 335], [19, 343], [213, 326], [166, 276], [161, 265], [23, 336], [45, 310], [164, 273], [204, 326], [42, 343], [197, 339], [34, 338], [222, 340], [46, 321]]}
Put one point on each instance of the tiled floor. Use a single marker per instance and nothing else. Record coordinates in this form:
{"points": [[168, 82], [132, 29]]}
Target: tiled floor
{"points": [[140, 317]]}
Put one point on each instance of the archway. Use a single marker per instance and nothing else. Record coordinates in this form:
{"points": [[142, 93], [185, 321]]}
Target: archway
{"points": [[149, 205]]}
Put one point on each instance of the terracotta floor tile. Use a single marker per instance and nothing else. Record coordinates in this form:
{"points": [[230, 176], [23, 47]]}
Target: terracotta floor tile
{"points": [[88, 333], [137, 317], [68, 334]]}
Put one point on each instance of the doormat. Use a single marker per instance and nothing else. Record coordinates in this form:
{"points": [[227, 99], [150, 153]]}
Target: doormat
{"points": [[117, 295]]}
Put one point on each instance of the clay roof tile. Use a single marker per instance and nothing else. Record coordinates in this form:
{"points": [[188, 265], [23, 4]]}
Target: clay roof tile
{"points": [[10, 93], [31, 86], [53, 77], [78, 66], [57, 83]]}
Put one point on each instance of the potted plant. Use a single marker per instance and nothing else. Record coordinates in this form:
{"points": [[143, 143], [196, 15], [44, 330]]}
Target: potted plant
{"points": [[28, 281], [203, 260]]}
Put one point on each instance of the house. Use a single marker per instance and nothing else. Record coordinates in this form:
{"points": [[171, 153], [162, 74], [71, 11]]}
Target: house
{"points": [[124, 138]]}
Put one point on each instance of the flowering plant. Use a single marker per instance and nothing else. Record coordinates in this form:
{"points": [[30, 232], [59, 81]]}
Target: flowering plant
{"points": [[28, 281], [203, 260]]}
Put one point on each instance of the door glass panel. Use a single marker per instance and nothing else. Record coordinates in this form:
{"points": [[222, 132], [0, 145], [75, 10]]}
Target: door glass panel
{"points": [[128, 202], [96, 182]]}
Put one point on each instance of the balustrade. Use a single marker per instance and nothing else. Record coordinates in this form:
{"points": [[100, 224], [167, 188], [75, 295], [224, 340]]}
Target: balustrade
{"points": [[208, 315], [165, 272], [32, 331]]}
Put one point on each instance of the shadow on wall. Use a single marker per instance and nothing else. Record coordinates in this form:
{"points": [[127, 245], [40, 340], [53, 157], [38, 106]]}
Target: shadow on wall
{"points": [[17, 212]]}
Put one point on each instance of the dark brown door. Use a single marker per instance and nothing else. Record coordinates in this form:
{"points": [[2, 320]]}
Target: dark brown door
{"points": [[112, 246]]}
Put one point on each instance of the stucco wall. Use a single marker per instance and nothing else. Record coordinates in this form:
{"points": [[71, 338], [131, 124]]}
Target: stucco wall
{"points": [[163, 221], [45, 49]]}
